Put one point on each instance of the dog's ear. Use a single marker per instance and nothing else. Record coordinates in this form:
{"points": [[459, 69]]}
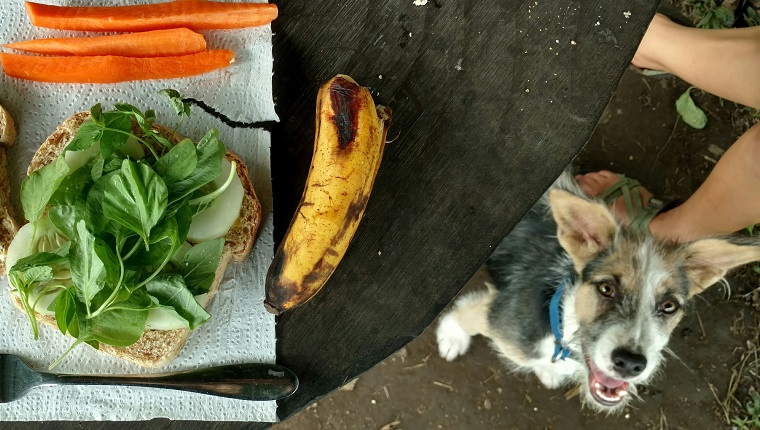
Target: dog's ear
{"points": [[708, 261], [584, 228]]}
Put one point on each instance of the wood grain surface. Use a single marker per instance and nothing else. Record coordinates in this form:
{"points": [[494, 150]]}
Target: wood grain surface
{"points": [[491, 100]]}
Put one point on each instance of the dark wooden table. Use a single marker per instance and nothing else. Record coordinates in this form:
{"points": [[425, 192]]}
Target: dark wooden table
{"points": [[491, 100]]}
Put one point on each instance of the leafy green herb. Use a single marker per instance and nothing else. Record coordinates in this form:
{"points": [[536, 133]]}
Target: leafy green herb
{"points": [[209, 152], [198, 204], [178, 163], [38, 187], [87, 270], [182, 108], [170, 290], [200, 263], [136, 198], [126, 214]]}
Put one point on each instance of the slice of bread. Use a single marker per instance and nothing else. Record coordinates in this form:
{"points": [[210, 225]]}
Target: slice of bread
{"points": [[157, 348], [8, 225]]}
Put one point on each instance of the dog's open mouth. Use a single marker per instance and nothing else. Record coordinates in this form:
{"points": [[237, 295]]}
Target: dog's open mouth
{"points": [[605, 390]]}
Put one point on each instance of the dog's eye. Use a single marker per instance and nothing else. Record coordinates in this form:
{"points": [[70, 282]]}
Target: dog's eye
{"points": [[669, 307], [606, 289]]}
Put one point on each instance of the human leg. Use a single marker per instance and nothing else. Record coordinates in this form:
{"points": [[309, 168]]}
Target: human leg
{"points": [[722, 62], [727, 201]]}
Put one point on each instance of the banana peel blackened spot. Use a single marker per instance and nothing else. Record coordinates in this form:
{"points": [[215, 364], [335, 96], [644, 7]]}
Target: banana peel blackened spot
{"points": [[346, 103], [352, 218]]}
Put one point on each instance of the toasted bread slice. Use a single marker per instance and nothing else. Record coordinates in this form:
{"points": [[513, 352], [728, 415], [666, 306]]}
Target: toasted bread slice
{"points": [[8, 225], [157, 348]]}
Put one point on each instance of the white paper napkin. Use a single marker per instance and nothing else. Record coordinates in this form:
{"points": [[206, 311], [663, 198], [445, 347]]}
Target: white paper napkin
{"points": [[240, 329]]}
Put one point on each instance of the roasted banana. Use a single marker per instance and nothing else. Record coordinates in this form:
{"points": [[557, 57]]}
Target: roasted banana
{"points": [[348, 148]]}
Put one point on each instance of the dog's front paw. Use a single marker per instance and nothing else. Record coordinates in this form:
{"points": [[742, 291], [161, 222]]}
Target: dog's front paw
{"points": [[453, 341], [549, 378]]}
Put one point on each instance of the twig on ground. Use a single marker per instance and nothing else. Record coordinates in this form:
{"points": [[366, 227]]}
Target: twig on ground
{"points": [[446, 386], [717, 399]]}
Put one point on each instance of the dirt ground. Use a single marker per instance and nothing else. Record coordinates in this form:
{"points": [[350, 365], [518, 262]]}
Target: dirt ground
{"points": [[639, 134]]}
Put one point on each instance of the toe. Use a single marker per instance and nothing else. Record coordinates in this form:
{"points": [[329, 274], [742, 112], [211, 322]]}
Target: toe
{"points": [[595, 183]]}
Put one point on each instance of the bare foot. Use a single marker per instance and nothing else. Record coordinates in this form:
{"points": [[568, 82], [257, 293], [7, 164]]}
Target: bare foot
{"points": [[594, 184]]}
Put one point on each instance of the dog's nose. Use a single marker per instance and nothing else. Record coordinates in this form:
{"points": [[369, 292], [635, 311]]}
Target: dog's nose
{"points": [[628, 363]]}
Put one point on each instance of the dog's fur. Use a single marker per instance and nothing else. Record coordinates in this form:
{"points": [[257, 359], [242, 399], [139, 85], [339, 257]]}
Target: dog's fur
{"points": [[616, 342]]}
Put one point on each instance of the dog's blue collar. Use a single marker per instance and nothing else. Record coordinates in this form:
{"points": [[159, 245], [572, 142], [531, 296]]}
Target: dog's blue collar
{"points": [[555, 320]]}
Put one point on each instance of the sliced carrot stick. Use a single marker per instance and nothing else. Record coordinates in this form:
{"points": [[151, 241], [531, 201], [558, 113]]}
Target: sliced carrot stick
{"points": [[157, 43], [109, 69], [195, 15]]}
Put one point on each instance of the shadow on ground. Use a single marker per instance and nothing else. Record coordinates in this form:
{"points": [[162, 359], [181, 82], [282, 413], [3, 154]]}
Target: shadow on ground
{"points": [[639, 134]]}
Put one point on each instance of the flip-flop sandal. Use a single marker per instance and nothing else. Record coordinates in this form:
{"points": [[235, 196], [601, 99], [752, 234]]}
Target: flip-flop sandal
{"points": [[639, 215], [676, 16]]}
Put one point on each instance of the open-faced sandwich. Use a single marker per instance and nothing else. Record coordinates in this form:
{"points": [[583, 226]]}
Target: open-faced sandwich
{"points": [[130, 230]]}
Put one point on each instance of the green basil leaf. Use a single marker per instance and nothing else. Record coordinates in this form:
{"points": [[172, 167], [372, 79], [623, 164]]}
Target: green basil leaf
{"points": [[209, 153], [136, 198], [109, 259], [199, 266], [65, 217], [178, 163], [170, 290], [38, 187], [176, 100], [35, 274], [41, 259], [113, 164], [97, 168], [184, 218], [133, 300], [87, 134], [87, 270], [65, 309], [73, 187], [95, 217], [144, 258], [96, 113], [118, 327], [118, 127]]}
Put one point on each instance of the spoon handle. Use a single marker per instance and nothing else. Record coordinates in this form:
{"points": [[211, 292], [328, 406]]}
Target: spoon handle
{"points": [[238, 381]]}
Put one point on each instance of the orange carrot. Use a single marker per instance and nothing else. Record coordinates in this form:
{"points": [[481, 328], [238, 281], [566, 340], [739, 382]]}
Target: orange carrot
{"points": [[109, 69], [157, 43], [195, 15]]}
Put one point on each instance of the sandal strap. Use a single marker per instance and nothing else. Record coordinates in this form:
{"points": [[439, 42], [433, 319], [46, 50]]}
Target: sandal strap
{"points": [[640, 222], [639, 215]]}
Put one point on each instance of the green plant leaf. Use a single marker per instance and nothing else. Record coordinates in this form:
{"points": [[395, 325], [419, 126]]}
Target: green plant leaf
{"points": [[199, 203], [209, 153], [136, 198], [178, 163], [41, 259], [65, 309], [118, 128], [170, 290], [690, 113], [200, 263], [109, 259], [118, 327], [87, 134], [180, 107], [87, 270], [38, 187], [73, 187], [65, 217]]}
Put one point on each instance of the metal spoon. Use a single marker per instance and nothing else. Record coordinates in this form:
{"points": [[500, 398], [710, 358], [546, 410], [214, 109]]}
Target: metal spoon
{"points": [[237, 381]]}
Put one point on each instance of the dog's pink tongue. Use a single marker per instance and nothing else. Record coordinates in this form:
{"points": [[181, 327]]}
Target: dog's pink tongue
{"points": [[604, 379]]}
